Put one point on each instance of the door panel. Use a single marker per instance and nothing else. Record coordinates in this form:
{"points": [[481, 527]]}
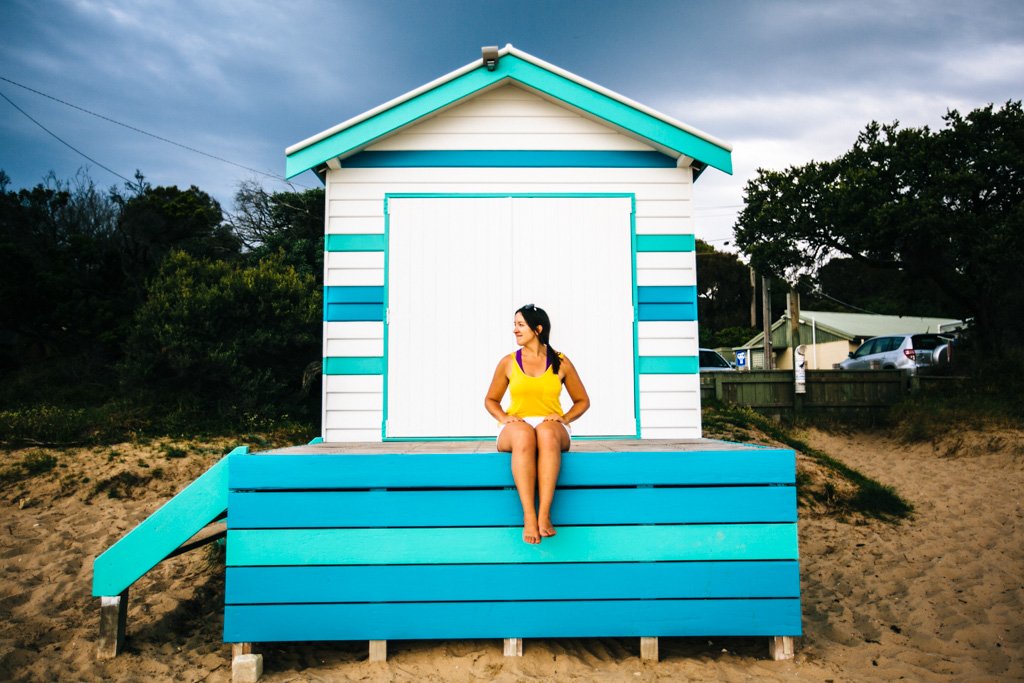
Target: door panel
{"points": [[459, 267]]}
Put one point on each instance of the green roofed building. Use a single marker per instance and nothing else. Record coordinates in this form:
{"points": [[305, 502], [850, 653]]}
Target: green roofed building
{"points": [[830, 337]]}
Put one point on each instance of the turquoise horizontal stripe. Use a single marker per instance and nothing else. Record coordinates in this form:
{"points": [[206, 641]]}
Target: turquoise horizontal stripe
{"points": [[667, 312], [353, 312], [558, 619], [509, 67], [370, 242], [500, 545], [466, 582], [355, 365], [669, 365], [353, 295], [326, 509], [669, 295], [665, 243], [510, 158], [738, 466]]}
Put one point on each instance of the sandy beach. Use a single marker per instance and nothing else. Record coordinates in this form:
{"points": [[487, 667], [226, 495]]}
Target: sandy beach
{"points": [[938, 597]]}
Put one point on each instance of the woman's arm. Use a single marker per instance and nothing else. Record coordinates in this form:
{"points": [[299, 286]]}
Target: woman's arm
{"points": [[499, 383], [577, 392]]}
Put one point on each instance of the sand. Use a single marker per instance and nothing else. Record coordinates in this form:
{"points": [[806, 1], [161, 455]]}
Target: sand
{"points": [[939, 597]]}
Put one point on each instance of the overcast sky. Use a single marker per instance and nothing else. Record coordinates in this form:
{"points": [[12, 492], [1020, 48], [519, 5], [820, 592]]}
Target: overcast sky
{"points": [[783, 82]]}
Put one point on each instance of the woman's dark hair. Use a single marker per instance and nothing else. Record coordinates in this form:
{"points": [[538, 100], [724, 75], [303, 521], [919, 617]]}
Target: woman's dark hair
{"points": [[535, 316]]}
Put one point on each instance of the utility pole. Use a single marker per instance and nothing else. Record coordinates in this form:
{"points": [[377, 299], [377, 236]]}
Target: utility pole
{"points": [[797, 352], [766, 321], [753, 297]]}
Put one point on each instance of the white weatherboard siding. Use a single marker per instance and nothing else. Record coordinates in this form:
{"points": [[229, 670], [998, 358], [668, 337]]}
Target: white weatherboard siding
{"points": [[353, 407], [460, 267], [509, 117], [356, 206]]}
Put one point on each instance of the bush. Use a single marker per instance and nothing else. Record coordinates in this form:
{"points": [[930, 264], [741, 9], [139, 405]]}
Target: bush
{"points": [[227, 339]]}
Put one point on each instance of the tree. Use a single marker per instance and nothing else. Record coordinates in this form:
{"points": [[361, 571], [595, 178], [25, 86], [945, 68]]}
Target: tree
{"points": [[226, 338], [288, 222], [945, 208], [160, 219]]}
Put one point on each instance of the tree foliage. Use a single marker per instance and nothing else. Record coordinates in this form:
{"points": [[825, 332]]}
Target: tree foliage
{"points": [[149, 292], [227, 338], [942, 208]]}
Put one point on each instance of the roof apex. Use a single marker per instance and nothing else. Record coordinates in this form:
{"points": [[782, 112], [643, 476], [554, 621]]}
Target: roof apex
{"points": [[357, 132]]}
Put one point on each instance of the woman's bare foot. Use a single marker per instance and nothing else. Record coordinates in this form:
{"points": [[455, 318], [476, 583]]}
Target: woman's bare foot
{"points": [[547, 528], [531, 534]]}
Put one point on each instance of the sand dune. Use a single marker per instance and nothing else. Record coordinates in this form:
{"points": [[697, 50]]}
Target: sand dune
{"points": [[939, 597]]}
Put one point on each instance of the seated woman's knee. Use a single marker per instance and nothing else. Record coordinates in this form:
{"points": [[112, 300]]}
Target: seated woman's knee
{"points": [[549, 434], [521, 433]]}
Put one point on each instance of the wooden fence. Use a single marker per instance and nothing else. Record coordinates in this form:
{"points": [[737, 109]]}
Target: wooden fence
{"points": [[848, 393]]}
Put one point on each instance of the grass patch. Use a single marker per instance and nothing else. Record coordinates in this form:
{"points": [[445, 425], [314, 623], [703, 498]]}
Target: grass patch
{"points": [[120, 485], [930, 415], [870, 497], [33, 464], [116, 422]]}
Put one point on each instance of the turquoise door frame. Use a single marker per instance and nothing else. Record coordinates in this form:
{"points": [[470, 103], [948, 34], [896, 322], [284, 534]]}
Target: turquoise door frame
{"points": [[515, 195]]}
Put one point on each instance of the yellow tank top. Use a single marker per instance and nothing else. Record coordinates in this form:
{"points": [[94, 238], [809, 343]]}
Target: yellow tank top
{"points": [[534, 396]]}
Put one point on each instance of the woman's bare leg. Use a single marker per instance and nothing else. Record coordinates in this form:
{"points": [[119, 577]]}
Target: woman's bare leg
{"points": [[520, 439], [552, 439]]}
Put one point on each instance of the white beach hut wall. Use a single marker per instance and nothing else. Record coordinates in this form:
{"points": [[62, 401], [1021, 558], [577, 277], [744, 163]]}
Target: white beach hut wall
{"points": [[451, 206]]}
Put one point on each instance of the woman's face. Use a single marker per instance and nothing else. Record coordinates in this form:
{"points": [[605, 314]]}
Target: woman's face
{"points": [[522, 331]]}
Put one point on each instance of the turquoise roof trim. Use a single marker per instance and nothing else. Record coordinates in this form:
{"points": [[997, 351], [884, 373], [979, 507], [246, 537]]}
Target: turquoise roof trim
{"points": [[509, 68]]}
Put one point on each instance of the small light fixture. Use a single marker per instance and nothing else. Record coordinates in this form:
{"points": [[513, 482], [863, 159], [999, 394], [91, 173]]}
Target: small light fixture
{"points": [[489, 53]]}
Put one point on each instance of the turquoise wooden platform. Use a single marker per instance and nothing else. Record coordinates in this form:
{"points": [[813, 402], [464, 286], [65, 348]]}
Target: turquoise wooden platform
{"points": [[423, 540]]}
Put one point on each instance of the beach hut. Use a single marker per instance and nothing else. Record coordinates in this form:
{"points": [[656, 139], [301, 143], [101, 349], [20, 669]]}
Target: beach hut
{"points": [[505, 182], [494, 186]]}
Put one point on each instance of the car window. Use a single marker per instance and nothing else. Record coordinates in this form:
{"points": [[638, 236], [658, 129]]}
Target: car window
{"points": [[866, 348], [926, 341], [710, 359], [893, 343]]}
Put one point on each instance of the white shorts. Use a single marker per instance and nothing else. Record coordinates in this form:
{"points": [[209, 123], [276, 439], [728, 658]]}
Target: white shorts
{"points": [[533, 422]]}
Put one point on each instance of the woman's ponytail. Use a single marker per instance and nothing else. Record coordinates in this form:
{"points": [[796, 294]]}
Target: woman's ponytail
{"points": [[553, 360], [537, 317]]}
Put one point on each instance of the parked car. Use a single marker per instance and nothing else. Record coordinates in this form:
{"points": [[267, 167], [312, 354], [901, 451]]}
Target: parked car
{"points": [[712, 361], [908, 352]]}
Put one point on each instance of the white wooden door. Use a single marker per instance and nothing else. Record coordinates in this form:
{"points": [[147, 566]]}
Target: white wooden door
{"points": [[458, 268]]}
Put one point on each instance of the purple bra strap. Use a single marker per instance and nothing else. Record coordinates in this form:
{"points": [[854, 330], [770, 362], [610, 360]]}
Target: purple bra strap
{"points": [[519, 359]]}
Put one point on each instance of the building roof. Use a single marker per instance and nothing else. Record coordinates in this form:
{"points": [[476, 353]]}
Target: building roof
{"points": [[671, 137], [859, 326]]}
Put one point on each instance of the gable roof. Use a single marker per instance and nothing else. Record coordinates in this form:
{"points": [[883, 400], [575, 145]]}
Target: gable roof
{"points": [[859, 326], [663, 132]]}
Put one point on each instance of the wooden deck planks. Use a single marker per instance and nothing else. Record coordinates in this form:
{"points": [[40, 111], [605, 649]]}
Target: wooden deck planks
{"points": [[460, 470], [491, 582], [501, 507], [499, 545], [580, 619]]}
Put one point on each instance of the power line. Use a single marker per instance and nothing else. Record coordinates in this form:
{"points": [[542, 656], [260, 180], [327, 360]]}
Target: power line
{"points": [[818, 292], [62, 140], [144, 132]]}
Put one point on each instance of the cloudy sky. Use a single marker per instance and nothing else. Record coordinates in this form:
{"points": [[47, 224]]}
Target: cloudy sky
{"points": [[784, 82]]}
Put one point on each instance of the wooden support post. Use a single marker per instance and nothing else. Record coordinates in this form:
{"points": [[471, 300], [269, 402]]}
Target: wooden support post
{"points": [[649, 649], [241, 649], [113, 624], [378, 650], [781, 648], [513, 647]]}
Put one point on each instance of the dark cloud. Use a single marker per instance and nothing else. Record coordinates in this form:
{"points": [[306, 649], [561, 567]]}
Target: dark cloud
{"points": [[783, 81]]}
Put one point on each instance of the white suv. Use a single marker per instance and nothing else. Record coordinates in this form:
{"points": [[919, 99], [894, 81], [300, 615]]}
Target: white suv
{"points": [[907, 352]]}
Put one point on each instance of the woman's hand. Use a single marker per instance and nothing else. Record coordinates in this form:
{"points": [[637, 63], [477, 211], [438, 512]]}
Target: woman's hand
{"points": [[510, 418], [554, 417]]}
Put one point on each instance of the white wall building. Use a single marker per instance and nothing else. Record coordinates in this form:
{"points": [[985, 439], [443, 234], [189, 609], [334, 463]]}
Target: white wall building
{"points": [[494, 186]]}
